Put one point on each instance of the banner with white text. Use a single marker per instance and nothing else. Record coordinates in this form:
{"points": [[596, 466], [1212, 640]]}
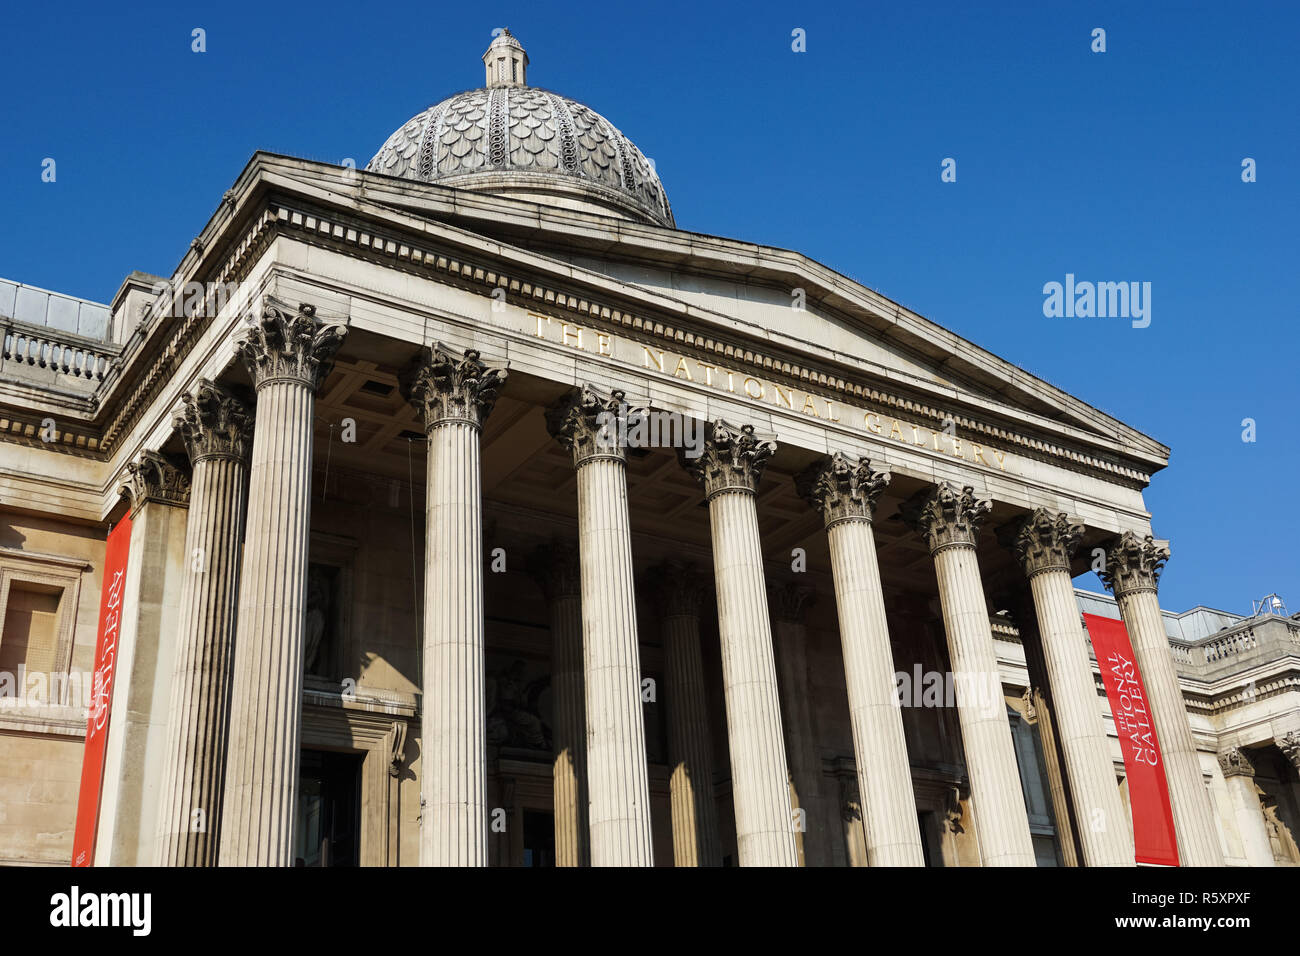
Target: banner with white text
{"points": [[92, 764], [1148, 790]]}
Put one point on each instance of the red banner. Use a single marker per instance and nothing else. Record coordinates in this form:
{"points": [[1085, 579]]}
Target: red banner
{"points": [[92, 764], [1148, 790]]}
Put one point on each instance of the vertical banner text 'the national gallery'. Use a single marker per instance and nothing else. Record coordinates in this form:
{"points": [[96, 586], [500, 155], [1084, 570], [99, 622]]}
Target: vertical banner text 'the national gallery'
{"points": [[1148, 790], [92, 766]]}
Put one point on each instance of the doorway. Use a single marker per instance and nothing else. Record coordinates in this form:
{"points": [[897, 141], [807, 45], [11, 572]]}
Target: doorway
{"points": [[328, 831]]}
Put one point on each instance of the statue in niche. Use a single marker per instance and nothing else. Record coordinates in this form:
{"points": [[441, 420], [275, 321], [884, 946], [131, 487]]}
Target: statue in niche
{"points": [[513, 716], [318, 606]]}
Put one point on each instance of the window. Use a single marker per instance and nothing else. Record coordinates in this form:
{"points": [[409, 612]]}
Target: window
{"points": [[29, 641]]}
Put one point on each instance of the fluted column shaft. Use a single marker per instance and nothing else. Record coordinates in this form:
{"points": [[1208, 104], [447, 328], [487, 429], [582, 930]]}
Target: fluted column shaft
{"points": [[266, 705], [1198, 840], [1239, 775], [453, 761], [764, 825], [695, 814], [1103, 826], [949, 518], [729, 467], [288, 355], [1044, 545], [569, 732], [557, 569], [880, 749], [617, 778], [454, 394], [1001, 821], [216, 427]]}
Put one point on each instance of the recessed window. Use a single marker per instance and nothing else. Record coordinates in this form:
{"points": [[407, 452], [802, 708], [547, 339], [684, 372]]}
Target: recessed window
{"points": [[29, 641]]}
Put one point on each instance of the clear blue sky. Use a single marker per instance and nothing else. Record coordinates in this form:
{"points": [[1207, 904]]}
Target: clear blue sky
{"points": [[1117, 166]]}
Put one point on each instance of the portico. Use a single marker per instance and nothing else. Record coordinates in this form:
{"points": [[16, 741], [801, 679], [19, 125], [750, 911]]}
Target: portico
{"points": [[430, 612]]}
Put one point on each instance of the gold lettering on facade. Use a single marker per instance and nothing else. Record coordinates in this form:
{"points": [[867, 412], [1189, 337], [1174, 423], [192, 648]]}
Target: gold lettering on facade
{"points": [[756, 389]]}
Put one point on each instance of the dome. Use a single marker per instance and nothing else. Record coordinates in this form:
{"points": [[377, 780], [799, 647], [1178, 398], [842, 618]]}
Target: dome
{"points": [[512, 139]]}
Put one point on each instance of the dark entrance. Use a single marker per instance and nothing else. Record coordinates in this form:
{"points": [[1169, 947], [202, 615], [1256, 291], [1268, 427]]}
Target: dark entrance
{"points": [[539, 838], [329, 809]]}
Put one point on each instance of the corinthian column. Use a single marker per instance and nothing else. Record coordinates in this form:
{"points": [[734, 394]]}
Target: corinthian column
{"points": [[1239, 775], [680, 592], [1044, 544], [217, 430], [844, 491], [557, 569], [454, 396], [949, 518], [729, 468], [617, 778], [288, 355], [1132, 570]]}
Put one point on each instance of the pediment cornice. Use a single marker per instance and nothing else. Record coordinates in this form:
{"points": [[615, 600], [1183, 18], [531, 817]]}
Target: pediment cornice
{"points": [[324, 205]]}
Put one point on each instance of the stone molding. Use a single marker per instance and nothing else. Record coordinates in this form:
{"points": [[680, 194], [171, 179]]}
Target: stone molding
{"points": [[1234, 763], [153, 477], [1045, 541], [790, 601], [214, 423], [947, 516], [680, 589], [1289, 744], [581, 420], [289, 345], [1133, 564], [557, 569], [733, 459], [842, 488], [444, 388]]}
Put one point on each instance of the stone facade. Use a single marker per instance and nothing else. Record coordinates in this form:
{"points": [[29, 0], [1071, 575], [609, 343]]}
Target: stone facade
{"points": [[465, 613]]}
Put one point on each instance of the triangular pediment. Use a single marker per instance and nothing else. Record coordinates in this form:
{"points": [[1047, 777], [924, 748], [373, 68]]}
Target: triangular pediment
{"points": [[735, 290]]}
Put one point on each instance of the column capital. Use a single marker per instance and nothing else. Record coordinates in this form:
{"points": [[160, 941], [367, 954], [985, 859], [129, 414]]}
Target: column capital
{"points": [[153, 477], [1289, 744], [586, 422], [1234, 763], [288, 344], [732, 461], [557, 569], [1045, 541], [790, 600], [1133, 564], [214, 423], [842, 488], [446, 388], [680, 589], [947, 516]]}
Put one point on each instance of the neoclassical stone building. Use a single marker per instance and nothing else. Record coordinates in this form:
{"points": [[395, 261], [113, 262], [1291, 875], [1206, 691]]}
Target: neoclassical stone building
{"points": [[479, 515]]}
